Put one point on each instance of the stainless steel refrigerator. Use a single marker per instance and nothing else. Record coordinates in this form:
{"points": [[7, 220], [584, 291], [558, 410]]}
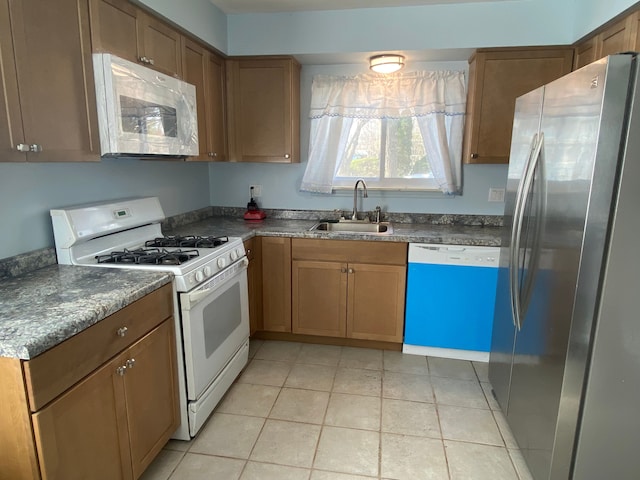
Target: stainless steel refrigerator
{"points": [[565, 355]]}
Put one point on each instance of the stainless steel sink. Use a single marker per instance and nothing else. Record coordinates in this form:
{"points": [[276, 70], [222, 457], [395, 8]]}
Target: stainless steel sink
{"points": [[382, 228]]}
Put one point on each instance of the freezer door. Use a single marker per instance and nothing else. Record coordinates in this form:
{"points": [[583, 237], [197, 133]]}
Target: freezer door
{"points": [[568, 209], [525, 129]]}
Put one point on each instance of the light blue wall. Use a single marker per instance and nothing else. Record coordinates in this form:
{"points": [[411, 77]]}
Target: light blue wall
{"points": [[28, 191], [229, 182], [468, 25], [590, 14]]}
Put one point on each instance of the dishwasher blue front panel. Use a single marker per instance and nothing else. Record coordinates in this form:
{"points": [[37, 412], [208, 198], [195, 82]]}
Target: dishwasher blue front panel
{"points": [[450, 306]]}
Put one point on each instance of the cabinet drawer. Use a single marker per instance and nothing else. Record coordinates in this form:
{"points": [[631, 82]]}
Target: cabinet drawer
{"points": [[380, 253], [57, 369]]}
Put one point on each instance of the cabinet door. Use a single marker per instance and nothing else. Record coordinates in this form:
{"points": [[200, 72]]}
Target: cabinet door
{"points": [[376, 302], [615, 39], [151, 393], [276, 284], [194, 64], [319, 298], [55, 74], [11, 133], [161, 45], [499, 78], [216, 107], [264, 110], [114, 28], [585, 53], [83, 433], [253, 248]]}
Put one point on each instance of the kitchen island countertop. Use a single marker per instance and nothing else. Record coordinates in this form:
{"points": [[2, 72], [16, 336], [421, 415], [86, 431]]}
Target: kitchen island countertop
{"points": [[402, 232], [41, 309]]}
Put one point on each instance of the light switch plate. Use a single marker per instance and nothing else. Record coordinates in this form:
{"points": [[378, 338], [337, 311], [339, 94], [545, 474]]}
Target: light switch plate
{"points": [[257, 190], [496, 194]]}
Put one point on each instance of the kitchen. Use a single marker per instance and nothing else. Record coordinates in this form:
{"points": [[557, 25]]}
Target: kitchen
{"points": [[37, 187]]}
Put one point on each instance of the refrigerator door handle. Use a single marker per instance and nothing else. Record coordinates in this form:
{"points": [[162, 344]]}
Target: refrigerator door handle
{"points": [[516, 229]]}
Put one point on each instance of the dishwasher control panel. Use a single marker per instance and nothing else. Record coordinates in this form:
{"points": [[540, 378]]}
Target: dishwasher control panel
{"points": [[466, 255]]}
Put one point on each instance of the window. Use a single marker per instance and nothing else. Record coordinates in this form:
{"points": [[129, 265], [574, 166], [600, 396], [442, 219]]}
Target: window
{"points": [[388, 154], [399, 132]]}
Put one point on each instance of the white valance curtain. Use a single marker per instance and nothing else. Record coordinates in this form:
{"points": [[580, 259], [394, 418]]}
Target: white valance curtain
{"points": [[436, 99]]}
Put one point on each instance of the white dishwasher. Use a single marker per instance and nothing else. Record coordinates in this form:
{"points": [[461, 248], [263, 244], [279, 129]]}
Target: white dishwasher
{"points": [[451, 291]]}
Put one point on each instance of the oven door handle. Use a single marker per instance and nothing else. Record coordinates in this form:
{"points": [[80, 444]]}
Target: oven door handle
{"points": [[189, 300]]}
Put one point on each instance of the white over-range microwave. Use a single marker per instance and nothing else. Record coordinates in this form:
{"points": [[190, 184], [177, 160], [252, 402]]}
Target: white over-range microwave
{"points": [[142, 112]]}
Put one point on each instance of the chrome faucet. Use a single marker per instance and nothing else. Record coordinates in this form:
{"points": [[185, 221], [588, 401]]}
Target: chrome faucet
{"points": [[355, 197]]}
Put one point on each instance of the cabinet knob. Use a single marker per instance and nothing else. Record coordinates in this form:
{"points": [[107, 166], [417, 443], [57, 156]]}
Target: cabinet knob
{"points": [[343, 270], [474, 155], [130, 363], [22, 147], [35, 148], [150, 61], [122, 331], [142, 59], [121, 370], [286, 155], [350, 270]]}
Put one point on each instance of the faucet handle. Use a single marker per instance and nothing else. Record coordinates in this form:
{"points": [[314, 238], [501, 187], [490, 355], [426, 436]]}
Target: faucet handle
{"points": [[378, 210]]}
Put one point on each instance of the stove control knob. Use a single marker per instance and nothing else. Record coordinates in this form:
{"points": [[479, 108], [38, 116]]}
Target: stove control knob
{"points": [[199, 276], [222, 262], [207, 271], [233, 255], [239, 252]]}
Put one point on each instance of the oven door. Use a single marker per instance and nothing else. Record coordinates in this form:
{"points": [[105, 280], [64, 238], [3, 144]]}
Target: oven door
{"points": [[215, 323]]}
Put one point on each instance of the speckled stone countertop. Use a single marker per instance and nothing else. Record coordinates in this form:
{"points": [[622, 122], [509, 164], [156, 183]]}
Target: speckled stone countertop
{"points": [[41, 309], [402, 232]]}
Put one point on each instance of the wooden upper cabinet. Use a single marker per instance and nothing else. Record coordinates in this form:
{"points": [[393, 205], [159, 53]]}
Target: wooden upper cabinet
{"points": [[120, 28], [622, 35], [11, 132], [52, 116], [496, 78], [585, 53], [205, 70], [264, 109]]}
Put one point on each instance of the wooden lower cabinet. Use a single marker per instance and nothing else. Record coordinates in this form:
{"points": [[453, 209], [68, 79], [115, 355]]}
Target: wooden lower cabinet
{"points": [[276, 284], [253, 247], [336, 294], [319, 298], [111, 423]]}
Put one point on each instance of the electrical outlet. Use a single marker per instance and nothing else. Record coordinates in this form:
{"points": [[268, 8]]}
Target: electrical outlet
{"points": [[496, 194], [257, 190]]}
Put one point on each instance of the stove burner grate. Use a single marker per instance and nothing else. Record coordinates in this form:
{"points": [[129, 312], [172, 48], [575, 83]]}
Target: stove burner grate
{"points": [[188, 241], [148, 256]]}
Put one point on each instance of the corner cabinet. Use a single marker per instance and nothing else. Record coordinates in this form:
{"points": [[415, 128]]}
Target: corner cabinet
{"points": [[253, 247], [102, 404], [496, 78], [349, 289], [264, 109], [45, 48], [205, 70], [128, 32]]}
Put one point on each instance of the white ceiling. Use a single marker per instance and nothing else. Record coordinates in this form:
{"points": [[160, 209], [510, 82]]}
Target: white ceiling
{"points": [[274, 6]]}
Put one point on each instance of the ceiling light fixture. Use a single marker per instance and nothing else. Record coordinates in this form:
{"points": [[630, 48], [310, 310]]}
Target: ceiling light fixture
{"points": [[386, 63]]}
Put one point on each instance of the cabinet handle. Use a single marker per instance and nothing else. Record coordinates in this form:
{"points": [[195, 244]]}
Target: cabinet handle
{"points": [[474, 155], [286, 155], [22, 147], [122, 331], [350, 270], [130, 363], [121, 370]]}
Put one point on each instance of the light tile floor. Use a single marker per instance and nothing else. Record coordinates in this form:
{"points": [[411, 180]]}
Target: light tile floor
{"points": [[317, 412]]}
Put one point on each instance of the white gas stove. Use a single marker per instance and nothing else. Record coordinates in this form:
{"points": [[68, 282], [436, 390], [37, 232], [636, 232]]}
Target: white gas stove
{"points": [[210, 288]]}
